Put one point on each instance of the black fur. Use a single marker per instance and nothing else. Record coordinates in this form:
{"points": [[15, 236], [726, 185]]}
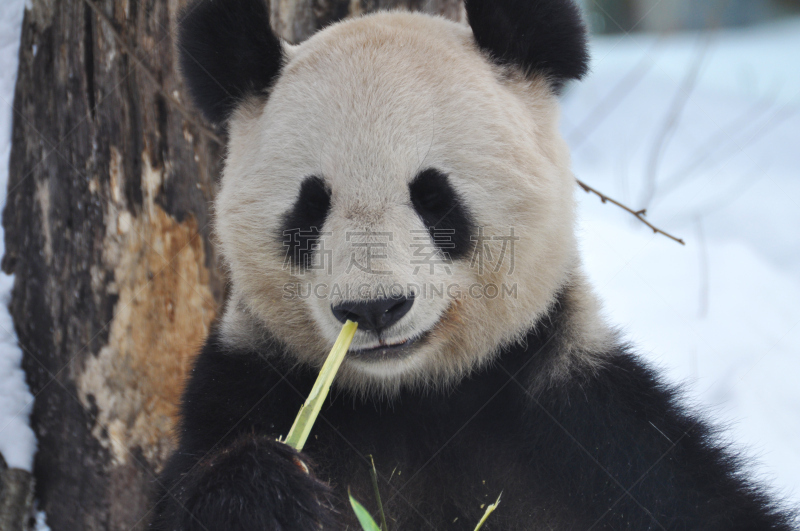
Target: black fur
{"points": [[546, 36], [227, 50], [607, 449], [443, 212], [250, 484], [302, 224]]}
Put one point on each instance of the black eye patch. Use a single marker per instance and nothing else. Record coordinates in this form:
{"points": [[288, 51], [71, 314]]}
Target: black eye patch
{"points": [[302, 224], [442, 211]]}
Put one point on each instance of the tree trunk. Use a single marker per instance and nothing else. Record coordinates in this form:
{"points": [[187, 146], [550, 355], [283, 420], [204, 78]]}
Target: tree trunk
{"points": [[107, 232]]}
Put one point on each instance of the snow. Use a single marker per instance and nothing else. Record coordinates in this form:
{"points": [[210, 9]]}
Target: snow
{"points": [[17, 440], [41, 520], [722, 314]]}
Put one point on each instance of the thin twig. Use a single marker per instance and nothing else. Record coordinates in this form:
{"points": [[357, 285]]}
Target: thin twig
{"points": [[747, 181], [670, 124], [702, 311], [638, 214], [716, 142], [126, 48], [736, 145], [578, 135]]}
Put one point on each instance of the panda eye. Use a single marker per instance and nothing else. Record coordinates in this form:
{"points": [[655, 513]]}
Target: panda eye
{"points": [[313, 203], [431, 194], [442, 211], [427, 198], [302, 224]]}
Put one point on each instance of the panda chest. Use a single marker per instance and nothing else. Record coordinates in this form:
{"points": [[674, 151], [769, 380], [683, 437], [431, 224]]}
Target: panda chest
{"points": [[436, 462]]}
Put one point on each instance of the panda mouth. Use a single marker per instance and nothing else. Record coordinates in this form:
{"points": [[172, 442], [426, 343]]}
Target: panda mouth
{"points": [[388, 349]]}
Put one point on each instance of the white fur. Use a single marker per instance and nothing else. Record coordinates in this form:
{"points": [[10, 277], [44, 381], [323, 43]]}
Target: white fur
{"points": [[366, 104]]}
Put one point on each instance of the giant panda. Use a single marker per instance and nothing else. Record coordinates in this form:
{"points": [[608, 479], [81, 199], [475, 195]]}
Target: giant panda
{"points": [[407, 172]]}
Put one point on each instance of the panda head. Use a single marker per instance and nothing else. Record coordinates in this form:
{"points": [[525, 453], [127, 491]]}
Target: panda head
{"points": [[397, 169]]}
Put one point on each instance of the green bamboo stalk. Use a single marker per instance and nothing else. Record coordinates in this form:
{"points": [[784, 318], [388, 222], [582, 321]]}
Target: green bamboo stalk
{"points": [[305, 419], [489, 510]]}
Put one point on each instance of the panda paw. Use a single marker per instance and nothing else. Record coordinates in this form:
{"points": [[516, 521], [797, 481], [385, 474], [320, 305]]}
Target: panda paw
{"points": [[254, 483]]}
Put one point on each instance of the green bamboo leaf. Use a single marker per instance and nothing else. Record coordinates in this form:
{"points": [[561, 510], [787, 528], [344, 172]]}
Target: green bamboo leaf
{"points": [[489, 510], [374, 473], [364, 518], [305, 419]]}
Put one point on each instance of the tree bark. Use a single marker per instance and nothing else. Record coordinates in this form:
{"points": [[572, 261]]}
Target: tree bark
{"points": [[108, 233], [16, 497]]}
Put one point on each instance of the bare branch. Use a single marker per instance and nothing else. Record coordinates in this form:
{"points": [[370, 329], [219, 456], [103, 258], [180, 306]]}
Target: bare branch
{"points": [[638, 214], [674, 114], [702, 311], [578, 135]]}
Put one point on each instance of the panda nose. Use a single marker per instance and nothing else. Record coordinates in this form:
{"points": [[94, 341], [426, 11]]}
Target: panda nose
{"points": [[376, 314]]}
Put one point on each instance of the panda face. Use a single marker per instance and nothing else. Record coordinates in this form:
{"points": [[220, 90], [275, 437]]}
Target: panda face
{"points": [[396, 177], [397, 169]]}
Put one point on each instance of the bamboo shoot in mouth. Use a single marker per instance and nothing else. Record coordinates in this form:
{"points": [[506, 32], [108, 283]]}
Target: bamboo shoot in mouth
{"points": [[298, 434]]}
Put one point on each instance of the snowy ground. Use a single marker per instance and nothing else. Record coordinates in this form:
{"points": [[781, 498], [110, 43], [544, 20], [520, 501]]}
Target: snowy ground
{"points": [[722, 313]]}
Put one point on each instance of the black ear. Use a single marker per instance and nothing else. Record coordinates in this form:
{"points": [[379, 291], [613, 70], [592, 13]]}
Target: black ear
{"points": [[546, 36], [227, 50]]}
